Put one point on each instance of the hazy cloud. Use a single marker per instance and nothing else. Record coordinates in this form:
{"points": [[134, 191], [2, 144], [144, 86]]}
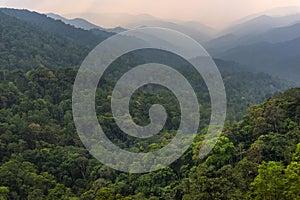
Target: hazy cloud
{"points": [[216, 13]]}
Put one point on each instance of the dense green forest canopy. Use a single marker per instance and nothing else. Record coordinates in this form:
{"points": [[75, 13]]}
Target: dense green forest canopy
{"points": [[42, 157], [23, 46]]}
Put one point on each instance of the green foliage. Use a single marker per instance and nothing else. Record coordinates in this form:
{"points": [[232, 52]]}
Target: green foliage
{"points": [[292, 180], [57, 27], [23, 46], [276, 182], [4, 191], [222, 153], [209, 183], [269, 183], [42, 157], [296, 156]]}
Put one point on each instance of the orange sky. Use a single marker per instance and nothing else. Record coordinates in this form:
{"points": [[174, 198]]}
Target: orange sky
{"points": [[215, 13]]}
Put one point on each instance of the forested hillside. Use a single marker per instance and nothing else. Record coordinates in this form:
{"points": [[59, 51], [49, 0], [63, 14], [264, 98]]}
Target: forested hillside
{"points": [[57, 27], [42, 157], [23, 46]]}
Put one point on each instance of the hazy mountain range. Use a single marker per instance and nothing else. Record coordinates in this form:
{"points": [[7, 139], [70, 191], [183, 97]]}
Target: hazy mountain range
{"points": [[272, 35], [84, 24], [196, 30], [77, 22], [279, 11], [267, 42]]}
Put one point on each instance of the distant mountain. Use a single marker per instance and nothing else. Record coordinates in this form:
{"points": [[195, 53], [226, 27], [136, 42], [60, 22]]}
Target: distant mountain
{"points": [[261, 24], [200, 33], [275, 35], [279, 59], [56, 27], [112, 19], [221, 44], [198, 26], [195, 30], [117, 29], [77, 22], [84, 24], [274, 12]]}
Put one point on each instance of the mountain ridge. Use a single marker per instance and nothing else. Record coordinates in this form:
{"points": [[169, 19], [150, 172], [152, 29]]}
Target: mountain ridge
{"points": [[76, 35], [269, 57]]}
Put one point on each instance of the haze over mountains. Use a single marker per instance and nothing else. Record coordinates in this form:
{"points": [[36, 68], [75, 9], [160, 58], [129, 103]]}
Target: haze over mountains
{"points": [[196, 30], [33, 41], [77, 22], [274, 51], [277, 11], [84, 24], [266, 42]]}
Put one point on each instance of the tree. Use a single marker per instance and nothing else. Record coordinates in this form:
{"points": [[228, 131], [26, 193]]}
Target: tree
{"points": [[208, 183], [292, 181], [269, 184], [60, 192], [4, 191], [296, 156], [105, 194], [222, 153]]}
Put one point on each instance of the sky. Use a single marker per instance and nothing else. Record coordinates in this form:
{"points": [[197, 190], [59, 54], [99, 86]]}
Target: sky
{"points": [[214, 13]]}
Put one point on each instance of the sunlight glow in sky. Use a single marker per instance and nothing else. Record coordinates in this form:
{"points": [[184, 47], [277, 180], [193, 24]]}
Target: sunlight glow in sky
{"points": [[215, 13]]}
